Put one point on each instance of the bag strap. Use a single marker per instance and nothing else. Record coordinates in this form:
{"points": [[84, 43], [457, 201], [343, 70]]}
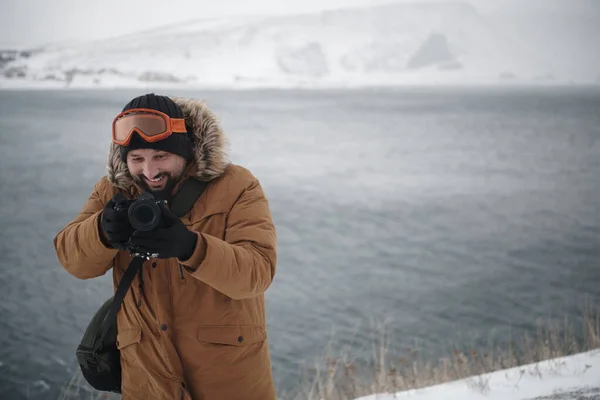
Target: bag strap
{"points": [[186, 196], [181, 204], [111, 316]]}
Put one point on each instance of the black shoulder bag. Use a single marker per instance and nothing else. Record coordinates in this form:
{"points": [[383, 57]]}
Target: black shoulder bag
{"points": [[97, 354]]}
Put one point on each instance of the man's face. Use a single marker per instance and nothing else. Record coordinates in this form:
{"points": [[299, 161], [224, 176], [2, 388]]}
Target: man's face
{"points": [[156, 171]]}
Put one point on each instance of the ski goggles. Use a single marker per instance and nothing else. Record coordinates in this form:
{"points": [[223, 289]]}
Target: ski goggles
{"points": [[150, 124]]}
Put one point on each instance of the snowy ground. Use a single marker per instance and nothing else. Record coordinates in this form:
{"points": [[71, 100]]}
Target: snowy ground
{"points": [[569, 378]]}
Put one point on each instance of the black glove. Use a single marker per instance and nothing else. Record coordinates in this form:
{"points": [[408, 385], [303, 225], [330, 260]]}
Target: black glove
{"points": [[115, 223], [171, 239]]}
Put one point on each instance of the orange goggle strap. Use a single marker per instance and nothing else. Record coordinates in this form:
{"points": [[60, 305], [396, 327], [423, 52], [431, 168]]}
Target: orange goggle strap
{"points": [[173, 125]]}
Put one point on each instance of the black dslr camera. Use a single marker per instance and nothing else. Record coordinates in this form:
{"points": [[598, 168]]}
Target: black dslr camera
{"points": [[144, 213]]}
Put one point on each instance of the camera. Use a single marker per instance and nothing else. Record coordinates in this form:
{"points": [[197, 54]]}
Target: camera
{"points": [[144, 213]]}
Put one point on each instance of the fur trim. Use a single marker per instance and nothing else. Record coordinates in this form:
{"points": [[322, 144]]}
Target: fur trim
{"points": [[210, 146]]}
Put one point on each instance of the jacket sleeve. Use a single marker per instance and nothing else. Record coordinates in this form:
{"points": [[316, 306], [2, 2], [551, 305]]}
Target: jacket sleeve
{"points": [[78, 245], [242, 265]]}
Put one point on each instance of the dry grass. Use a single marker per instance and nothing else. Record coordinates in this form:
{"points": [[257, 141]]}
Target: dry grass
{"points": [[341, 377]]}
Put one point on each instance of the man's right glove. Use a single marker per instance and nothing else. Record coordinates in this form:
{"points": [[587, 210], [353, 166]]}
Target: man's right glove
{"points": [[115, 223]]}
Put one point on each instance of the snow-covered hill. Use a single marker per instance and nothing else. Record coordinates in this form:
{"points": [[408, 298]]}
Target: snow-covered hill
{"points": [[574, 377], [384, 45]]}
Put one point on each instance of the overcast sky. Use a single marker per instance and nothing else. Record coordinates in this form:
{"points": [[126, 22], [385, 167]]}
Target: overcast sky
{"points": [[27, 22], [34, 22]]}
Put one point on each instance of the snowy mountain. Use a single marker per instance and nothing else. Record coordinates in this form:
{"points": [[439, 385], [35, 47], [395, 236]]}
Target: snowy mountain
{"points": [[449, 43]]}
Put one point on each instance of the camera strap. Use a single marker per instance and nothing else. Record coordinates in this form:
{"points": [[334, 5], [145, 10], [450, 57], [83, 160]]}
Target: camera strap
{"points": [[186, 196], [182, 203]]}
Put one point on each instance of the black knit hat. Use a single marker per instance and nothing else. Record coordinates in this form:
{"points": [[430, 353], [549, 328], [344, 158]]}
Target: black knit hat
{"points": [[177, 143]]}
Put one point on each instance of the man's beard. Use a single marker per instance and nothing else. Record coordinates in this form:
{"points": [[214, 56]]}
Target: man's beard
{"points": [[162, 194]]}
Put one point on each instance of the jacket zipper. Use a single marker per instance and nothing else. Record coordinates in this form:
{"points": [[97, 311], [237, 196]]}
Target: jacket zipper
{"points": [[181, 274], [184, 391]]}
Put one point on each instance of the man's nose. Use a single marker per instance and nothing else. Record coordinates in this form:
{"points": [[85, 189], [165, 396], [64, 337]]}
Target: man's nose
{"points": [[150, 171]]}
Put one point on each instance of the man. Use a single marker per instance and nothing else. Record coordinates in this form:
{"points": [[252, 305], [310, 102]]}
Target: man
{"points": [[193, 327]]}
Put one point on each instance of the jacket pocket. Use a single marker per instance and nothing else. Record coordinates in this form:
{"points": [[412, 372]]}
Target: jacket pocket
{"points": [[125, 341], [134, 378], [232, 335], [128, 337]]}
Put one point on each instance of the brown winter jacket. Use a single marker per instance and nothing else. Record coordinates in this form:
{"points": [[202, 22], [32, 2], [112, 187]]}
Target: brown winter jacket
{"points": [[192, 329]]}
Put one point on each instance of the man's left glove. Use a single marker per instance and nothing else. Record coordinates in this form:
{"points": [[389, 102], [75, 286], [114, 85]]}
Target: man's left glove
{"points": [[171, 239]]}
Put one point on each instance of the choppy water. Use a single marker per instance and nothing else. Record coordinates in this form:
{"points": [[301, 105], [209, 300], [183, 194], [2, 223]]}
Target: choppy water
{"points": [[448, 213]]}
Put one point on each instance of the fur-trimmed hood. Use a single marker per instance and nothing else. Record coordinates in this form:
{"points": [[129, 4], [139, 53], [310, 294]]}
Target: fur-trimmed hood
{"points": [[210, 146]]}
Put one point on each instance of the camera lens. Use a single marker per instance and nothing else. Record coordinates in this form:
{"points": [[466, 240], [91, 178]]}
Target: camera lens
{"points": [[144, 215]]}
